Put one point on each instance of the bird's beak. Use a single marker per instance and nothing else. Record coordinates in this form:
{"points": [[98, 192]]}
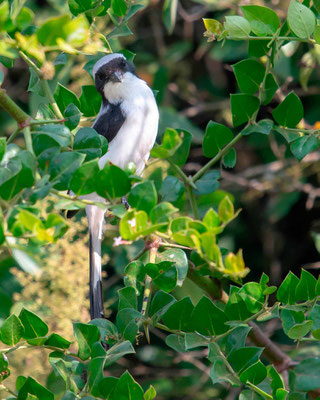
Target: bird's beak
{"points": [[116, 77]]}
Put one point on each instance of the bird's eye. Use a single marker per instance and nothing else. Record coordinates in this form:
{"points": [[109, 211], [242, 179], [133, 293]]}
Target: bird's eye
{"points": [[100, 76], [123, 63]]}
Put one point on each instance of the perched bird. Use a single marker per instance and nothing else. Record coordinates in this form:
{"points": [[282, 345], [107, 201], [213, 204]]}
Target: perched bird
{"points": [[128, 119]]}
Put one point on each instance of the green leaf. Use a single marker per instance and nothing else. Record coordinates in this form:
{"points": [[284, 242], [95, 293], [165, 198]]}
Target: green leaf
{"points": [[72, 115], [306, 287], [178, 314], [117, 351], [301, 20], [219, 372], [81, 6], [270, 88], [172, 189], [208, 183], [180, 260], [208, 319], [107, 387], [162, 212], [127, 298], [243, 107], [18, 174], [264, 126], [119, 7], [31, 386], [237, 26], [33, 325], [176, 342], [290, 318], [243, 358], [133, 224], [250, 395], [83, 179], [86, 336], [89, 142], [3, 146], [108, 331], [182, 152], [306, 375], [169, 14], [211, 220], [235, 340], [112, 181], [62, 167], [170, 143], [90, 101], [304, 145], [163, 274], [64, 97], [57, 341], [226, 209], [194, 339], [134, 276], [127, 322], [143, 196], [252, 295], [230, 159], [57, 132], [150, 394], [255, 374], [4, 367], [276, 379], [263, 20], [300, 330], [289, 112], [160, 303], [216, 137], [11, 331], [287, 291], [249, 74]]}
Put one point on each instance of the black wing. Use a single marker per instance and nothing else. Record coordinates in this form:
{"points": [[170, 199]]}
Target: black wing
{"points": [[110, 121]]}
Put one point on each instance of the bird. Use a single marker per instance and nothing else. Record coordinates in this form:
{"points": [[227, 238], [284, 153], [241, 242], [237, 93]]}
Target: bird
{"points": [[128, 119]]}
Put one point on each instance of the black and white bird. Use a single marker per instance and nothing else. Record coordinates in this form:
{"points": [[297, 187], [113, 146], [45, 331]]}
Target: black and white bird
{"points": [[128, 119]]}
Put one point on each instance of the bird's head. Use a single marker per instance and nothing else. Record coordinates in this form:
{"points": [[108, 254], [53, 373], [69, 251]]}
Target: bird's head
{"points": [[111, 73]]}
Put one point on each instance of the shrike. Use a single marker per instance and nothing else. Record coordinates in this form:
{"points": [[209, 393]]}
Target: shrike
{"points": [[128, 119]]}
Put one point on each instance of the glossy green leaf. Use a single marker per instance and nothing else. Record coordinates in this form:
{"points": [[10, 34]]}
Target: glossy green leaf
{"points": [[108, 331], [11, 331], [237, 26], [33, 325], [89, 142], [57, 341], [249, 74], [57, 132], [31, 386], [287, 291], [81, 6], [64, 97], [208, 183], [244, 357], [226, 209], [194, 339], [170, 143], [127, 298], [290, 318], [263, 20], [182, 152], [250, 395], [83, 179], [107, 387], [127, 322], [176, 342], [305, 289], [119, 7], [243, 107], [86, 336], [235, 340], [289, 112], [178, 314], [252, 295], [270, 88], [150, 393], [160, 303], [143, 196], [164, 274], [255, 374], [301, 19], [112, 181], [208, 319], [117, 351], [230, 159], [162, 212], [216, 137], [3, 147], [300, 330], [90, 101], [172, 189], [134, 275], [62, 167], [72, 115], [304, 145], [264, 126], [169, 13], [180, 260]]}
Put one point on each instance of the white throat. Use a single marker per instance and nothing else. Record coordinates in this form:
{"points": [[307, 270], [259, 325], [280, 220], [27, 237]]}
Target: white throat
{"points": [[130, 87]]}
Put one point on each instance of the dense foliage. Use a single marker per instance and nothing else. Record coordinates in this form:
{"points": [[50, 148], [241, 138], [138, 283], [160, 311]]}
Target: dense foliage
{"points": [[174, 222]]}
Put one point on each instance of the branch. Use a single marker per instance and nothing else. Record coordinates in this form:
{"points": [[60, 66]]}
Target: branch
{"points": [[14, 110]]}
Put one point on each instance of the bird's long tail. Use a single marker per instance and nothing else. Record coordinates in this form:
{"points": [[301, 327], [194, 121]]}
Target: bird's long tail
{"points": [[95, 223]]}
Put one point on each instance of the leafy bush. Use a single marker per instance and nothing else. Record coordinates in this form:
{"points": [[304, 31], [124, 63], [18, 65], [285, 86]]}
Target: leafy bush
{"points": [[178, 218]]}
